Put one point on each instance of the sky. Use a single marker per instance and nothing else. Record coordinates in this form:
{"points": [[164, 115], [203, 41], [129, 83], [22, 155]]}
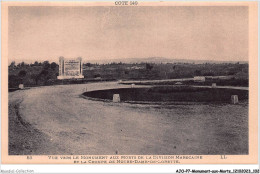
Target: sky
{"points": [[112, 32]]}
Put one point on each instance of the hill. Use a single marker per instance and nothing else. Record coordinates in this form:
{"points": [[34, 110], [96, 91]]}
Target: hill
{"points": [[158, 60]]}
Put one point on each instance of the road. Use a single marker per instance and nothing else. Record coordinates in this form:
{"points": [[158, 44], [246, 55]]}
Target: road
{"points": [[172, 80], [66, 123]]}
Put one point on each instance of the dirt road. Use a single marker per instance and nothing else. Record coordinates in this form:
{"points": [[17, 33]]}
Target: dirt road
{"points": [[56, 120]]}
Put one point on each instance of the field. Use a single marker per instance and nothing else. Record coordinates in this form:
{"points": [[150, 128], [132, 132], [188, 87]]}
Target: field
{"points": [[171, 94], [45, 73]]}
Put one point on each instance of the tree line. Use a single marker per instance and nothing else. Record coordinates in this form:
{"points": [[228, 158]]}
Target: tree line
{"points": [[35, 74], [45, 73]]}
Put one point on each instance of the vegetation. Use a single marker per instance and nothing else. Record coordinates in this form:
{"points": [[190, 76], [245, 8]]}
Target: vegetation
{"points": [[170, 94], [35, 74], [45, 73]]}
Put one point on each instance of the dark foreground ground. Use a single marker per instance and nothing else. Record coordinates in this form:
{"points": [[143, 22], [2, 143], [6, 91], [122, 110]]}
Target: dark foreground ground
{"points": [[171, 94], [56, 120]]}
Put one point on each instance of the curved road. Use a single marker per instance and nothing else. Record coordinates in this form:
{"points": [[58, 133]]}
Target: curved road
{"points": [[70, 124]]}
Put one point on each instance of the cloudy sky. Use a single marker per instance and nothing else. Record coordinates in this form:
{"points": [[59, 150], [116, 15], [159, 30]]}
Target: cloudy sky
{"points": [[208, 33]]}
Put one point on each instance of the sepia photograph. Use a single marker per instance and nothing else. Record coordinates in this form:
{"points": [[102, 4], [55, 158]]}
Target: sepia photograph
{"points": [[167, 81]]}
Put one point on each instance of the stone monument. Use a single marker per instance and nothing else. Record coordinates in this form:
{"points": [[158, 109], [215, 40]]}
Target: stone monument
{"points": [[234, 99], [21, 86], [70, 68], [116, 98]]}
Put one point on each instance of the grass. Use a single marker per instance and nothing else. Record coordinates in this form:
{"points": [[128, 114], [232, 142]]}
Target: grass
{"points": [[170, 94]]}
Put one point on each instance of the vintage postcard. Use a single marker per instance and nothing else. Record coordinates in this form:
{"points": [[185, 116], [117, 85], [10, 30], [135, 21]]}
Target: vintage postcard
{"points": [[129, 82]]}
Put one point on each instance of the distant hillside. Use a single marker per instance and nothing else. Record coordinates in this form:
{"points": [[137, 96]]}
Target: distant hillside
{"points": [[157, 60]]}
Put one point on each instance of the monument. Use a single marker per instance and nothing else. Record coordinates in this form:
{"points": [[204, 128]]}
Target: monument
{"points": [[70, 68], [116, 98], [234, 99], [21, 86]]}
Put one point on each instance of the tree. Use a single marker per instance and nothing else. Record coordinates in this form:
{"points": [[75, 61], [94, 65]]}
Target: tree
{"points": [[36, 63], [13, 81], [12, 64], [53, 65], [197, 72], [22, 75], [21, 64], [46, 65], [35, 78], [42, 77], [97, 75], [88, 64], [149, 67], [44, 72]]}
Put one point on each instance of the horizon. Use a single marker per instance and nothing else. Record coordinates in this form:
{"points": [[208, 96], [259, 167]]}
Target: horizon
{"points": [[138, 60], [102, 33]]}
